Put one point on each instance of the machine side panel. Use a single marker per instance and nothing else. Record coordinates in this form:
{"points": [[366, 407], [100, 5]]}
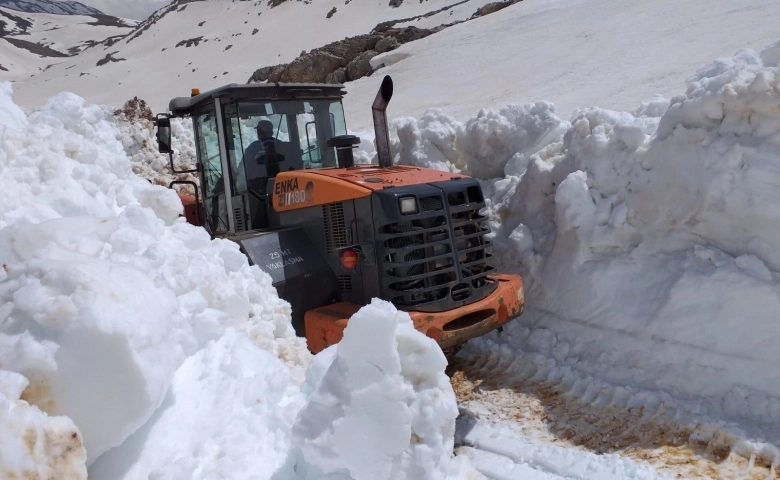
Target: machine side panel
{"points": [[331, 228], [298, 271]]}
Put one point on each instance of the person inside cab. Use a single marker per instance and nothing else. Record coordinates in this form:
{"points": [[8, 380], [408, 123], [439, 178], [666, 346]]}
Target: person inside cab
{"points": [[261, 157], [266, 143]]}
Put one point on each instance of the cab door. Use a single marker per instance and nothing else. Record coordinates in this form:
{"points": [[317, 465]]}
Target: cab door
{"points": [[207, 146]]}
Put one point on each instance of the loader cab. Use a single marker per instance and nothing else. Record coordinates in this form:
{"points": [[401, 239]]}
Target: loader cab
{"points": [[245, 135]]}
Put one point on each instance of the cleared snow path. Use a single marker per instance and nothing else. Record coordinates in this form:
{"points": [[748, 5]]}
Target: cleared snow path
{"points": [[516, 423], [500, 453]]}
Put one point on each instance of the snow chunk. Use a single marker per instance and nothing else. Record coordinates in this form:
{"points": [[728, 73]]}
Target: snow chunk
{"points": [[32, 444], [226, 415], [12, 116], [492, 138], [80, 313], [754, 266], [770, 55], [648, 241], [383, 408], [428, 142], [484, 146], [135, 130]]}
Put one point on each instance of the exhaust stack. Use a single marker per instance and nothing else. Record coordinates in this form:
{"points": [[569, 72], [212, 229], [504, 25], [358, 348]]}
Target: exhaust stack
{"points": [[381, 130]]}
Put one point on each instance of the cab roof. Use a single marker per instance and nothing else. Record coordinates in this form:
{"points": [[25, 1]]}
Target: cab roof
{"points": [[183, 106]]}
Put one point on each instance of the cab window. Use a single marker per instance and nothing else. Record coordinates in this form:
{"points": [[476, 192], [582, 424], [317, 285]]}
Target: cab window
{"points": [[207, 143]]}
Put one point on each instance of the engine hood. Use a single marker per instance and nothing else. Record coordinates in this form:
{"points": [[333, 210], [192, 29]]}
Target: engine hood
{"points": [[306, 188]]}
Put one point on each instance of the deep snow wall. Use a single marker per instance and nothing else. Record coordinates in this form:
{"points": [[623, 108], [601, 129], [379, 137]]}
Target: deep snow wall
{"points": [[104, 289], [648, 240]]}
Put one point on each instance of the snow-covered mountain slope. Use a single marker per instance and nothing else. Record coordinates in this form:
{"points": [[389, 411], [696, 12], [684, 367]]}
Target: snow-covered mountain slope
{"points": [[50, 6], [574, 53], [31, 42], [208, 44], [570, 52]]}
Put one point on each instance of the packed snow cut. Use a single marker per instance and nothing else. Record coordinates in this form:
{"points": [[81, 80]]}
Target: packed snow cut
{"points": [[648, 241]]}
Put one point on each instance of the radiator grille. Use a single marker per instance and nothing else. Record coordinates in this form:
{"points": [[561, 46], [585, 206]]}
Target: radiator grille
{"points": [[335, 229], [240, 218], [438, 255], [345, 283]]}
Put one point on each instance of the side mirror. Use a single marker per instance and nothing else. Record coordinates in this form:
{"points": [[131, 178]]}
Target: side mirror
{"points": [[163, 124]]}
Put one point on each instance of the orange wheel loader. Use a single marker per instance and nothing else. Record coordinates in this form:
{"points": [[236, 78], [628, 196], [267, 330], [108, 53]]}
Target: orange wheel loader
{"points": [[277, 176]]}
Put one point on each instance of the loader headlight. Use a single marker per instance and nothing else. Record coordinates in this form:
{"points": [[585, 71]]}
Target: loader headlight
{"points": [[408, 205]]}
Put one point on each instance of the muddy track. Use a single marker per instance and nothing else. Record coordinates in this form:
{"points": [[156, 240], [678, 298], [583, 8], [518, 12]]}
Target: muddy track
{"points": [[550, 413]]}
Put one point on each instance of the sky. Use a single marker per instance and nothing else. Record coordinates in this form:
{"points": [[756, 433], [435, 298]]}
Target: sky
{"points": [[135, 9]]}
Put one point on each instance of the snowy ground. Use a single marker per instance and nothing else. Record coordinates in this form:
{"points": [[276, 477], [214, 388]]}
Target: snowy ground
{"points": [[574, 53]]}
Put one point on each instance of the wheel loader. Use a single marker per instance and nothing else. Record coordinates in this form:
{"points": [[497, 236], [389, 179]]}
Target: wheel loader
{"points": [[277, 175]]}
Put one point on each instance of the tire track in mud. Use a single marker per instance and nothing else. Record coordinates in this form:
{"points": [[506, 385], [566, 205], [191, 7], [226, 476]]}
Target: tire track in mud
{"points": [[490, 388]]}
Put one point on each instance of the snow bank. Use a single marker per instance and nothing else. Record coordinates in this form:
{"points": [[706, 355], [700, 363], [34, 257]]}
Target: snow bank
{"points": [[648, 240], [104, 290], [486, 146], [228, 414], [379, 404], [32, 444], [134, 124], [665, 232]]}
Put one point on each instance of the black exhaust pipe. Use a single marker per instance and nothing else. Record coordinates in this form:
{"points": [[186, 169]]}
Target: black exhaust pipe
{"points": [[381, 130]]}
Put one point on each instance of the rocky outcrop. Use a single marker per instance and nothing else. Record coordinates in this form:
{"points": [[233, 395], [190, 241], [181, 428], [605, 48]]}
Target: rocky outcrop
{"points": [[310, 68], [108, 59], [341, 61], [361, 65], [493, 8], [190, 42], [35, 48], [350, 59], [337, 77], [386, 44]]}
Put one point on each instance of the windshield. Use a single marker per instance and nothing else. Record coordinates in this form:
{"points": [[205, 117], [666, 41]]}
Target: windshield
{"points": [[265, 138], [269, 137]]}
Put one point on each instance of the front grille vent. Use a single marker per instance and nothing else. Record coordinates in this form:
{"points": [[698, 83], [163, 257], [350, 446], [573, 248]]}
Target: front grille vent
{"points": [[240, 218], [345, 283], [437, 258], [335, 228]]}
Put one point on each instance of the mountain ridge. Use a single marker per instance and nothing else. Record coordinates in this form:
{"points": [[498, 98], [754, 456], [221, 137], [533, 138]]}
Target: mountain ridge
{"points": [[61, 7]]}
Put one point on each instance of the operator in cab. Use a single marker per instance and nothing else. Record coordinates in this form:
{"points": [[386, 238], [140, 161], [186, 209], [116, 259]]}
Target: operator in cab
{"points": [[265, 144], [262, 151]]}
